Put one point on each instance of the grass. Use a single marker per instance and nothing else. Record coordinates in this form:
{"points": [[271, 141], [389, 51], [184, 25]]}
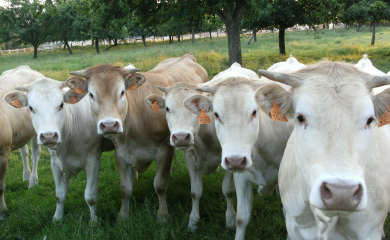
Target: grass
{"points": [[31, 211]]}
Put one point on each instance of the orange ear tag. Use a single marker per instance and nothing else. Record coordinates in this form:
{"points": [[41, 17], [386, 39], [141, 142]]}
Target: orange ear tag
{"points": [[79, 90], [133, 87], [72, 100], [16, 103], [155, 107], [276, 114], [384, 119], [203, 118]]}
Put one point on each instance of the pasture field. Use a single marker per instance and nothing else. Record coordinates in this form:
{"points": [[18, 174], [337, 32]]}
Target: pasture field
{"points": [[31, 210]]}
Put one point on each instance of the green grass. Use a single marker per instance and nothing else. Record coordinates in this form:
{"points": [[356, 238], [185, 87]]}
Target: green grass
{"points": [[31, 211]]}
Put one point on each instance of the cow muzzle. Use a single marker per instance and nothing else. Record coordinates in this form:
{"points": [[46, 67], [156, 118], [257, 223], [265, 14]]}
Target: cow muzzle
{"points": [[235, 162], [110, 126], [181, 139], [341, 196], [48, 138]]}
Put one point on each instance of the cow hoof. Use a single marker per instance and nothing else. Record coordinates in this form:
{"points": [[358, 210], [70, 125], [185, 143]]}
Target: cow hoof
{"points": [[33, 182], [163, 219], [231, 223], [26, 176], [192, 226]]}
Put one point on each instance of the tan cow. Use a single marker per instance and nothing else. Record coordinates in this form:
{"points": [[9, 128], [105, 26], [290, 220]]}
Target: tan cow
{"points": [[335, 173], [139, 134], [16, 128]]}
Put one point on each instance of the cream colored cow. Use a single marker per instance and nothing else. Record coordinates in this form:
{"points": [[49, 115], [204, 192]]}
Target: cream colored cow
{"points": [[335, 171], [139, 134], [199, 143], [16, 129]]}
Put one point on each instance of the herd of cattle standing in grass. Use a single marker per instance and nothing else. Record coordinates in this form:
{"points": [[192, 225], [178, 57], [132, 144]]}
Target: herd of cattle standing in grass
{"points": [[318, 132]]}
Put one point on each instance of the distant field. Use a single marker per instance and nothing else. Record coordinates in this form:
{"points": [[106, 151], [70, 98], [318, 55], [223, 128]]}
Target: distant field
{"points": [[31, 211]]}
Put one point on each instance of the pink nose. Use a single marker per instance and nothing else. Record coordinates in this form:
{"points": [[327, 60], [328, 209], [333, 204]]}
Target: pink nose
{"points": [[109, 127], [49, 137], [181, 139], [235, 162], [340, 196]]}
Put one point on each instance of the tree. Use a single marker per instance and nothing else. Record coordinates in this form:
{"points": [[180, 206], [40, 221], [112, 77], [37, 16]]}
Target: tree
{"points": [[377, 12], [26, 22]]}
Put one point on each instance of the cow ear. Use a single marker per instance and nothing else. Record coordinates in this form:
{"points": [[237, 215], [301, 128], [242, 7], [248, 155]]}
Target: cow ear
{"points": [[72, 97], [134, 81], [198, 102], [269, 95], [16, 99], [77, 84], [155, 101], [381, 103]]}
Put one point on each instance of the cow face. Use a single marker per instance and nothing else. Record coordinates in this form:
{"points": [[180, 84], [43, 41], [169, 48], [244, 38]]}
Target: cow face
{"points": [[182, 123], [46, 100], [236, 118], [107, 87], [334, 115]]}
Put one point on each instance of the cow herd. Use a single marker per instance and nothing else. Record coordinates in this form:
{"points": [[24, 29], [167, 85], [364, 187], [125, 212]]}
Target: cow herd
{"points": [[319, 133]]}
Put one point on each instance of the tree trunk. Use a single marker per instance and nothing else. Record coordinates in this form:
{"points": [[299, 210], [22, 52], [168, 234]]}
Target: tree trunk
{"points": [[254, 35], [115, 41], [64, 45], [193, 35], [35, 51], [234, 43], [282, 46], [69, 48], [93, 42], [97, 45], [373, 35], [178, 38], [144, 40], [211, 37]]}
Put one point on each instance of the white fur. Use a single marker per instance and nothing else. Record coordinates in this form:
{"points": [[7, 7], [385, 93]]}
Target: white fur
{"points": [[365, 65]]}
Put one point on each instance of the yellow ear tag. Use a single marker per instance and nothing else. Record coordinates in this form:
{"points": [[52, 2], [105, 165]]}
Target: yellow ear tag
{"points": [[203, 118], [276, 114], [79, 90], [155, 107], [16, 103], [384, 119], [133, 87], [72, 100]]}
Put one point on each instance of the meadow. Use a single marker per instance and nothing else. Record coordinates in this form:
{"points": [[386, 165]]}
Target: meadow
{"points": [[30, 211]]}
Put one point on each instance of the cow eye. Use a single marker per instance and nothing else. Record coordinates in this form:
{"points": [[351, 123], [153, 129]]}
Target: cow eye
{"points": [[61, 106], [216, 115], [31, 109], [254, 113], [122, 93], [369, 121], [91, 95], [167, 108], [301, 119]]}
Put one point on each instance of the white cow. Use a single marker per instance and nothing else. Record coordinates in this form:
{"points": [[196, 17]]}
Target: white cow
{"points": [[16, 129], [335, 172], [199, 143], [252, 144], [68, 131], [365, 65]]}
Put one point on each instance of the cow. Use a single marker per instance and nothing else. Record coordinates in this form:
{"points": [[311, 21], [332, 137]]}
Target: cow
{"points": [[252, 144], [140, 135], [199, 142], [334, 175], [69, 132], [365, 65], [16, 129]]}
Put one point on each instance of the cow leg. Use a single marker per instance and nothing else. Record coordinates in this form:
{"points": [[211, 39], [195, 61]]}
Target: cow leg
{"points": [[127, 178], [164, 162], [92, 168], [244, 203], [3, 170], [61, 183], [196, 189], [26, 167], [228, 192], [35, 154]]}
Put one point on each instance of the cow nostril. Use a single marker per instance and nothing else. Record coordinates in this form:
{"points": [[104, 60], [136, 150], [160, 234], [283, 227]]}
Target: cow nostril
{"points": [[357, 196], [102, 126], [174, 138], [325, 192], [42, 138], [188, 137]]}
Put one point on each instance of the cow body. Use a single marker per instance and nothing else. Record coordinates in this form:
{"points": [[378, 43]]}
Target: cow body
{"points": [[200, 145], [139, 135], [365, 65], [16, 129], [252, 144], [335, 170], [69, 132]]}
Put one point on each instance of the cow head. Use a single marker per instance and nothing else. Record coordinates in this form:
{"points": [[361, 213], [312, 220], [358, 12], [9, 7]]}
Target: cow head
{"points": [[182, 123], [236, 118], [107, 87], [334, 115], [46, 99]]}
